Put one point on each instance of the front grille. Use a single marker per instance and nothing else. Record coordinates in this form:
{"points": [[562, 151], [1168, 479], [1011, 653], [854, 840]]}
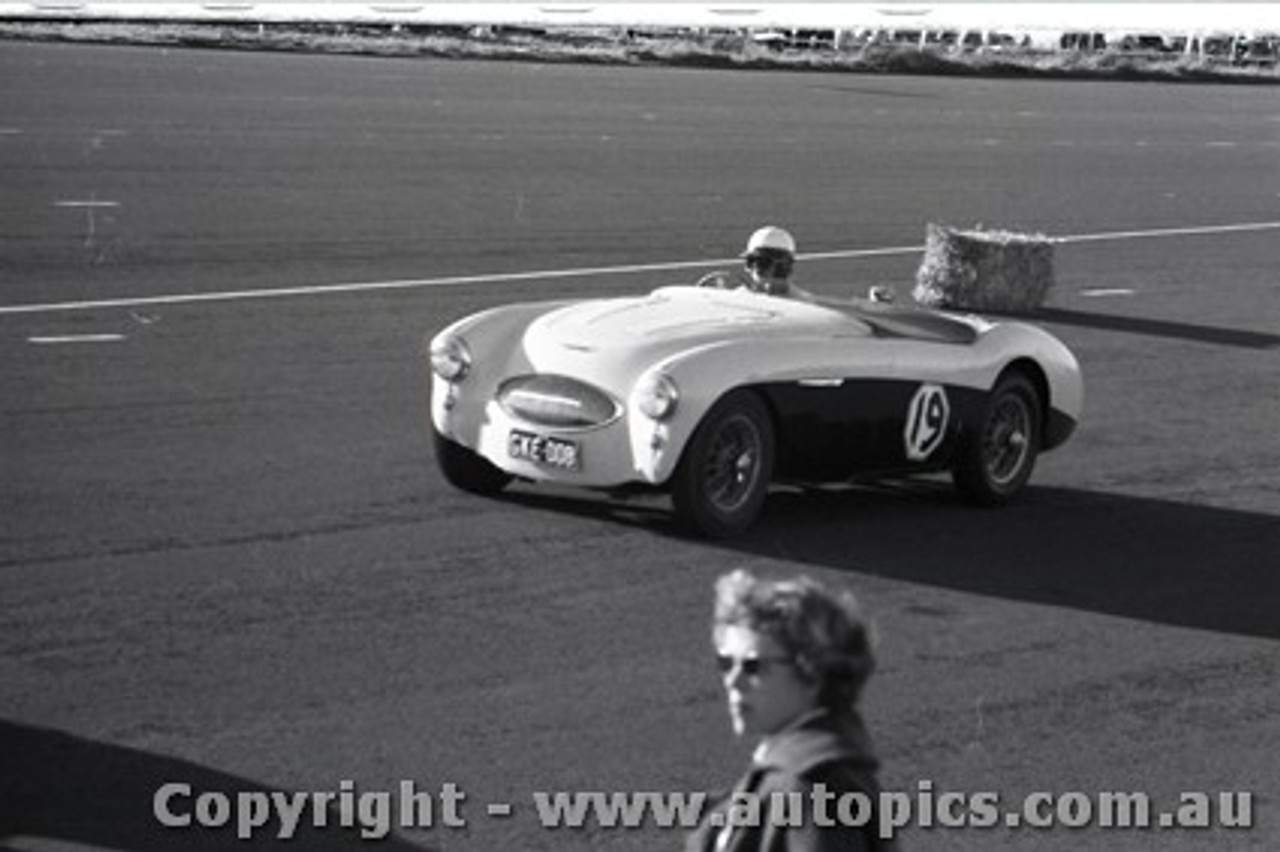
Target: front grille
{"points": [[557, 401]]}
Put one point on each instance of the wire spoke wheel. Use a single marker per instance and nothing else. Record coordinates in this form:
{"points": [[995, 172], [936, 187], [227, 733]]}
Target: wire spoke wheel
{"points": [[723, 477], [732, 468], [997, 458], [1007, 442]]}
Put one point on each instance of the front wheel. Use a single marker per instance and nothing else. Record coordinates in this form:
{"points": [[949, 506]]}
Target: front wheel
{"points": [[723, 477], [468, 470], [997, 458]]}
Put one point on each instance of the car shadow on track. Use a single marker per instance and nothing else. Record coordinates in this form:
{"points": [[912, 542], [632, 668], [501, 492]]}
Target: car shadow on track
{"points": [[1154, 560], [1159, 561], [60, 787], [1160, 328]]}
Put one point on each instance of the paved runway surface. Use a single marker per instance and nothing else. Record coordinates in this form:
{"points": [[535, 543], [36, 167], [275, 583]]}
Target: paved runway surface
{"points": [[227, 559]]}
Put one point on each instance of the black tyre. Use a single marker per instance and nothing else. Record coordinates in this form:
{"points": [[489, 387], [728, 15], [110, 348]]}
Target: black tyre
{"points": [[468, 470], [996, 459], [723, 477]]}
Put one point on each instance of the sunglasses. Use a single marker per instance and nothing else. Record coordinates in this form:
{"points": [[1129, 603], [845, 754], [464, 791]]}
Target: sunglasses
{"points": [[749, 666], [772, 264]]}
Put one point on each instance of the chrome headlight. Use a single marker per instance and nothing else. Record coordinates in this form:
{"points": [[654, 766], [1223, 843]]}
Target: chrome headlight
{"points": [[450, 358], [657, 396]]}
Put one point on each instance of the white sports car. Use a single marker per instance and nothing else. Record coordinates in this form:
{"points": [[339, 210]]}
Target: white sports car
{"points": [[713, 394]]}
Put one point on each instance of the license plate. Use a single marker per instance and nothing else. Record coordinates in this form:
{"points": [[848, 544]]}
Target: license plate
{"points": [[551, 452]]}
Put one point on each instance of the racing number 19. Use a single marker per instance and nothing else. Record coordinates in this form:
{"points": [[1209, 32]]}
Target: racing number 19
{"points": [[926, 421]]}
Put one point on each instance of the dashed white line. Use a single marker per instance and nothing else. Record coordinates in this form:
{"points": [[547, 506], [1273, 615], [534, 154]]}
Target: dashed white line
{"points": [[92, 202], [1104, 292], [559, 274], [54, 339]]}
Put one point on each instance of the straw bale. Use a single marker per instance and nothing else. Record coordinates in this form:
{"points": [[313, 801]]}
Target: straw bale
{"points": [[983, 270]]}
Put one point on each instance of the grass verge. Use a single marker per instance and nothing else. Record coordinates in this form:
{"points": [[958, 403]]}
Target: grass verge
{"points": [[679, 49]]}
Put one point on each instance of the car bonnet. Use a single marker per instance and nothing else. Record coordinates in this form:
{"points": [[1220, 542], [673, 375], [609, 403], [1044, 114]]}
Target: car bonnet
{"points": [[678, 316]]}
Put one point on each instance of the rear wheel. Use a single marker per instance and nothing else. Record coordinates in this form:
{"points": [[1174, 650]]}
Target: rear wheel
{"points": [[468, 470], [723, 477], [997, 458]]}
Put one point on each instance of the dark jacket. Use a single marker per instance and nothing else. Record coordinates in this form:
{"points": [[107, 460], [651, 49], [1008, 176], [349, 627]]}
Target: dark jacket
{"points": [[830, 749]]}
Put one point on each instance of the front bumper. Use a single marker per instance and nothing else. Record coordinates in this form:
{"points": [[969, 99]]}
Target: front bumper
{"points": [[632, 449]]}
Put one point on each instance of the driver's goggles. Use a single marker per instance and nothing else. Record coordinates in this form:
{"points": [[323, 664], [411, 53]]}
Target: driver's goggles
{"points": [[777, 264]]}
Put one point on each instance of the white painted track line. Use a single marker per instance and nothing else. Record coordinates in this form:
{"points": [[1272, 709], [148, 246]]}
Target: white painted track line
{"points": [[1105, 292], [462, 280], [1196, 231], [55, 339]]}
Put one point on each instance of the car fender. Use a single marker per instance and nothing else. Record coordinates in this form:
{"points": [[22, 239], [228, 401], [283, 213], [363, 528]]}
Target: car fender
{"points": [[1012, 342], [706, 373], [487, 335]]}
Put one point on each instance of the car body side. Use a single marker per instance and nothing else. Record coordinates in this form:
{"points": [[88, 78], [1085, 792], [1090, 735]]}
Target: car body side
{"points": [[840, 381]]}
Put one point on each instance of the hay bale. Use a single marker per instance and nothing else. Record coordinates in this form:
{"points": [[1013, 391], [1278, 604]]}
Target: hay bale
{"points": [[981, 270]]}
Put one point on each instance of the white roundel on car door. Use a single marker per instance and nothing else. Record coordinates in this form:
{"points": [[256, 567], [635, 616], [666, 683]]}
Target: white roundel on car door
{"points": [[927, 418]]}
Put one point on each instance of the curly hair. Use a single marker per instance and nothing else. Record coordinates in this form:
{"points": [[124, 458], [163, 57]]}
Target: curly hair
{"points": [[821, 629]]}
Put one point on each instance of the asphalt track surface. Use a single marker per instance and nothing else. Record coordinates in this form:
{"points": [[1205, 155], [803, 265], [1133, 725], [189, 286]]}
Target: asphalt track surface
{"points": [[227, 558]]}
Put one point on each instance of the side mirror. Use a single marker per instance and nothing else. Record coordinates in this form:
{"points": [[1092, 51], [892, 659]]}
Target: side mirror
{"points": [[881, 294]]}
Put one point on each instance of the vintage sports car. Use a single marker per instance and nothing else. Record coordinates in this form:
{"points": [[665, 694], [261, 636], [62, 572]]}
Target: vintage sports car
{"points": [[714, 394]]}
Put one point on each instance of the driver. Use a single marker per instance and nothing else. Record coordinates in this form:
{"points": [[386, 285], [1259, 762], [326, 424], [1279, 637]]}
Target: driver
{"points": [[767, 264]]}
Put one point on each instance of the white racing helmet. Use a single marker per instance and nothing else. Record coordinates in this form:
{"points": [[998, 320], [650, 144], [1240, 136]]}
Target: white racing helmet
{"points": [[770, 239]]}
